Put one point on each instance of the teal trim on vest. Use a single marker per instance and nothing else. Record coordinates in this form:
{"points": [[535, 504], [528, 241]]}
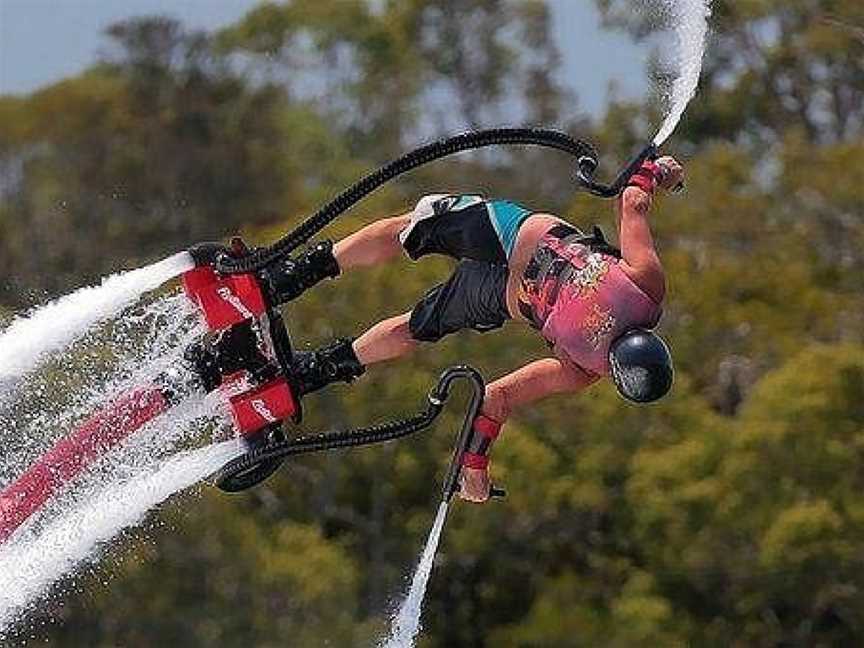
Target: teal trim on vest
{"points": [[507, 217]]}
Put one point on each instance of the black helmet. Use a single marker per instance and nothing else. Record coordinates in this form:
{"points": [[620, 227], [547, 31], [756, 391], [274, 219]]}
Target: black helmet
{"points": [[641, 366]]}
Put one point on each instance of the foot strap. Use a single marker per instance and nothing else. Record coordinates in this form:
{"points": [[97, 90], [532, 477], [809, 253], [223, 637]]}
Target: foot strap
{"points": [[290, 278], [335, 362]]}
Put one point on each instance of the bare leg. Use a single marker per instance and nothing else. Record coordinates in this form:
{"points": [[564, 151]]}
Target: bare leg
{"points": [[343, 360], [386, 340], [374, 244]]}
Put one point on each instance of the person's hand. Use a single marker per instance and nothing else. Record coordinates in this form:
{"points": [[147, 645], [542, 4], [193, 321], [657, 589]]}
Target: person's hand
{"points": [[475, 484], [670, 173]]}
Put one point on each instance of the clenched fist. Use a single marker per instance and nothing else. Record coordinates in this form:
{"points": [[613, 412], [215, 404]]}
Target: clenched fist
{"points": [[475, 484], [670, 173]]}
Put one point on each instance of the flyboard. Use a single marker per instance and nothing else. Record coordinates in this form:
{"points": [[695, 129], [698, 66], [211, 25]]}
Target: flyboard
{"points": [[247, 355]]}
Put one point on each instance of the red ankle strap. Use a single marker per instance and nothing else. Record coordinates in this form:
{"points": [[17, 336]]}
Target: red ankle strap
{"points": [[474, 460]]}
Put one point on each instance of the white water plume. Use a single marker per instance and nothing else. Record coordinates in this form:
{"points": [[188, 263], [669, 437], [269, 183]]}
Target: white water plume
{"points": [[113, 494], [405, 624], [31, 564], [126, 352], [52, 327], [689, 22]]}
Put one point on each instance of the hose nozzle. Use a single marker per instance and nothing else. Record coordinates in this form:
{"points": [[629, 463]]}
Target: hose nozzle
{"points": [[587, 167]]}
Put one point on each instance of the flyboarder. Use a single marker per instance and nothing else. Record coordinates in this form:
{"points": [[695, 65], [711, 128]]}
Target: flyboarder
{"points": [[595, 305]]}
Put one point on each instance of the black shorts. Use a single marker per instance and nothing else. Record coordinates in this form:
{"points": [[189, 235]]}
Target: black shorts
{"points": [[475, 295]]}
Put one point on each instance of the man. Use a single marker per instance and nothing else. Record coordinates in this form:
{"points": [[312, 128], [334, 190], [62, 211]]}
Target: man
{"points": [[593, 304]]}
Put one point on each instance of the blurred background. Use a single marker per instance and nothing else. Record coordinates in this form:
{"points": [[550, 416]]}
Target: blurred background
{"points": [[729, 514]]}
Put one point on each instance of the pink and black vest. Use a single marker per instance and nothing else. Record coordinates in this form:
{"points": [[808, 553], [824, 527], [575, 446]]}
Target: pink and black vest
{"points": [[576, 293]]}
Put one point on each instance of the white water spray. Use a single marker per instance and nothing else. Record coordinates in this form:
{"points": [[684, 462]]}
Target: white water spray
{"points": [[52, 327], [31, 565], [405, 624], [689, 20], [43, 407], [75, 526]]}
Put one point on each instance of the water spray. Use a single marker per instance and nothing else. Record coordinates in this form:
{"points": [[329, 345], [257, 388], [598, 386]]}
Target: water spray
{"points": [[689, 19], [73, 498], [52, 327], [405, 623]]}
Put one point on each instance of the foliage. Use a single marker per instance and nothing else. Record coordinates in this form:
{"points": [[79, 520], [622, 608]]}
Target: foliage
{"points": [[730, 514], [160, 145], [772, 66], [385, 65]]}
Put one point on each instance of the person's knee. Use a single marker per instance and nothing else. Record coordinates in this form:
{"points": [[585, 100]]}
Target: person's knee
{"points": [[400, 327], [423, 327], [417, 226], [395, 225]]}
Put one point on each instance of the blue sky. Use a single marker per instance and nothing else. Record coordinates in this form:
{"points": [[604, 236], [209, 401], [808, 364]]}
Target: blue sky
{"points": [[42, 41]]}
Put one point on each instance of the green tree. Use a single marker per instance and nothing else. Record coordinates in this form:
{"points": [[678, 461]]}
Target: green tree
{"points": [[727, 515], [158, 147], [771, 67], [385, 66]]}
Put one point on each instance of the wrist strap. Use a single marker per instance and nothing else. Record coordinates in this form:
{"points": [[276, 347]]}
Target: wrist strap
{"points": [[488, 427], [484, 432], [645, 177], [476, 461]]}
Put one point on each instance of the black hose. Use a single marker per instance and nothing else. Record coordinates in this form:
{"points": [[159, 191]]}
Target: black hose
{"points": [[585, 174], [259, 259], [232, 477], [240, 473], [245, 477]]}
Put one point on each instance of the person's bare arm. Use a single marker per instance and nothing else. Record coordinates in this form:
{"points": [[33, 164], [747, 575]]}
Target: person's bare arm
{"points": [[637, 244], [634, 231], [532, 383], [526, 385]]}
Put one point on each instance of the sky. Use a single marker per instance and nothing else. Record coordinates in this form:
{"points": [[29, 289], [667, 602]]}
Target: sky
{"points": [[42, 41]]}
